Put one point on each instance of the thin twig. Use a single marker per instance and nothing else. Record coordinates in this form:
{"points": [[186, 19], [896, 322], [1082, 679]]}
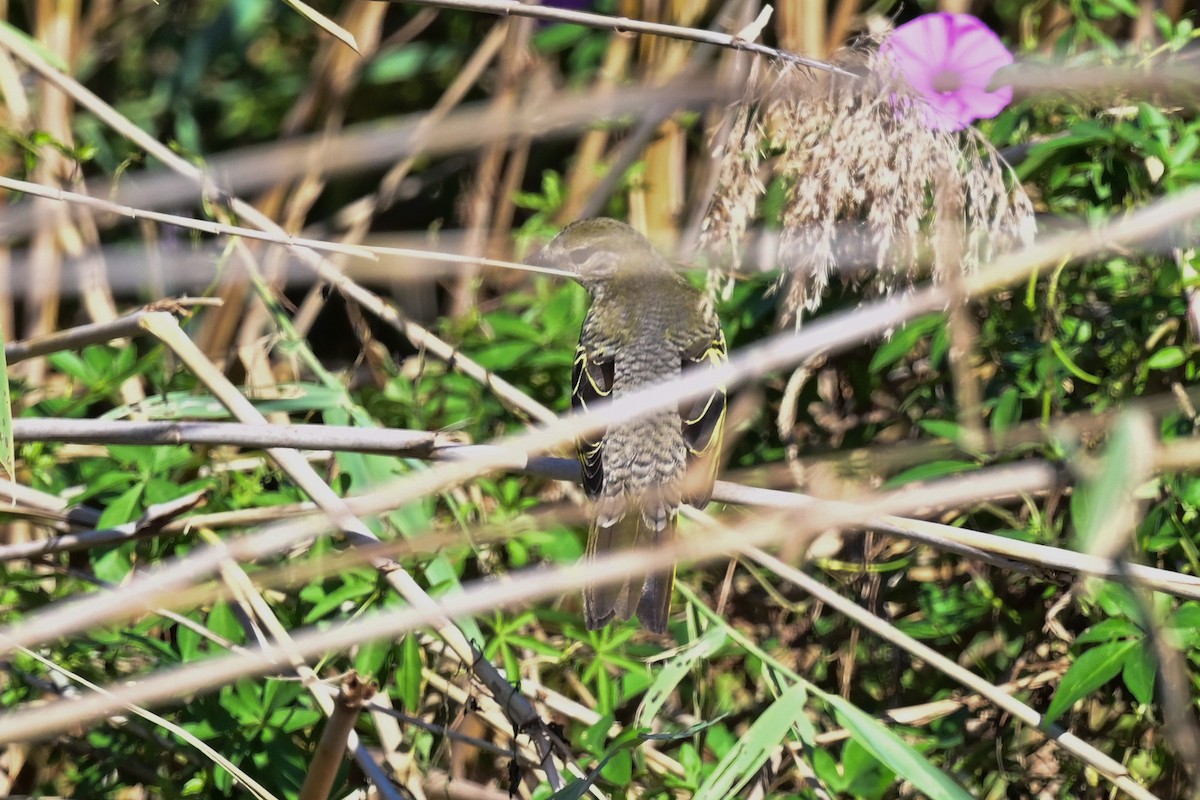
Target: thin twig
{"points": [[84, 335], [624, 25], [150, 523], [208, 226], [384, 441]]}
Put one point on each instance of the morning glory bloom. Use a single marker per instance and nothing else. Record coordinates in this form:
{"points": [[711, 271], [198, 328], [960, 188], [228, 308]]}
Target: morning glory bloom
{"points": [[949, 60]]}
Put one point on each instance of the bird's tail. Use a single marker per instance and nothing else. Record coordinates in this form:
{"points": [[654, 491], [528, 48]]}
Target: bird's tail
{"points": [[650, 595]]}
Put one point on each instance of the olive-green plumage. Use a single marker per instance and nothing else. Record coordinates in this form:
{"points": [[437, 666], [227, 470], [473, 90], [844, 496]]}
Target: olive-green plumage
{"points": [[646, 324]]}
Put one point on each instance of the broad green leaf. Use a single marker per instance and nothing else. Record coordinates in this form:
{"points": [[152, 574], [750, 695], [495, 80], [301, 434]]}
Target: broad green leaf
{"points": [[122, 509], [370, 657], [1097, 506], [505, 355], [396, 64], [618, 767], [1166, 358], [930, 470], [894, 753], [1007, 411], [1139, 673], [674, 671], [408, 675], [943, 428], [1091, 670], [751, 751], [113, 566], [1109, 629]]}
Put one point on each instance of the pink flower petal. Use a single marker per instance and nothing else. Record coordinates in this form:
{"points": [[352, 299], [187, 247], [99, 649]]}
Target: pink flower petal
{"points": [[950, 60], [947, 112], [984, 57], [985, 105], [909, 56]]}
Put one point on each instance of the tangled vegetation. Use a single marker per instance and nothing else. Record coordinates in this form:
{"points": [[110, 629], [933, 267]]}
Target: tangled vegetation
{"points": [[1002, 599]]}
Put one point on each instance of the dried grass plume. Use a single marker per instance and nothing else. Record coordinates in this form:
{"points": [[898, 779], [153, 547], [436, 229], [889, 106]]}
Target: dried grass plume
{"points": [[865, 179]]}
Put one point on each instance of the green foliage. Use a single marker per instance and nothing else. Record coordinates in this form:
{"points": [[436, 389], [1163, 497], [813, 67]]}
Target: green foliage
{"points": [[774, 670]]}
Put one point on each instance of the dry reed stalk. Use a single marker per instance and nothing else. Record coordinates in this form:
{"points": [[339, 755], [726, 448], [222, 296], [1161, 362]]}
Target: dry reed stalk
{"points": [[520, 711], [332, 76], [357, 217], [656, 201], [339, 735], [54, 27], [583, 173], [844, 17], [16, 118], [484, 194], [800, 26]]}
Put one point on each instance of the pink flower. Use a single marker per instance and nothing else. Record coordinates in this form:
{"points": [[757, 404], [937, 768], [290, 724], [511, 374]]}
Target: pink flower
{"points": [[950, 59]]}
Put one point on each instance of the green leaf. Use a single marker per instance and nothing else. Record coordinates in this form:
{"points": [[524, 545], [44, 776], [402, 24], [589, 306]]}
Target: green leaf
{"points": [[675, 671], [408, 675], [1139, 673], [933, 469], [1093, 669], [113, 566], [1081, 135], [352, 589], [505, 355], [1109, 629], [903, 341], [558, 37], [753, 749], [1007, 411], [1166, 358], [618, 768], [370, 657], [942, 428], [123, 509], [1100, 501], [397, 64], [894, 753], [222, 621]]}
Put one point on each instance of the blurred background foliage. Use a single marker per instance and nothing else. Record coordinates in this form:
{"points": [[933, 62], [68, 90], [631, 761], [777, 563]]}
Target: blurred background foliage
{"points": [[1054, 358]]}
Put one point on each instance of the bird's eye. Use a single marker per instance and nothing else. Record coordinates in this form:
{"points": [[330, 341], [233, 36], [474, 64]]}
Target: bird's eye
{"points": [[580, 255]]}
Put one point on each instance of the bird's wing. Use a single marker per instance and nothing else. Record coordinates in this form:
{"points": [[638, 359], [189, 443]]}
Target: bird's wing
{"points": [[703, 422], [591, 380]]}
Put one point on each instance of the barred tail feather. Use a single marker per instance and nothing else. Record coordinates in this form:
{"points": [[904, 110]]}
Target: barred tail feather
{"points": [[649, 596]]}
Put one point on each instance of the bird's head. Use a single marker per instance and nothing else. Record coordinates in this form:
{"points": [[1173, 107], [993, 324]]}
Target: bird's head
{"points": [[599, 251]]}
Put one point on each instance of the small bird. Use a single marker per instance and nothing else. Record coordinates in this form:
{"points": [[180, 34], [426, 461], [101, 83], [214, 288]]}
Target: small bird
{"points": [[645, 325]]}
